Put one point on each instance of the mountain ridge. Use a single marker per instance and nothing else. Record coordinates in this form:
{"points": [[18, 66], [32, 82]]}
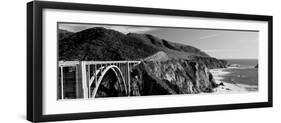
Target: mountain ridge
{"points": [[101, 44]]}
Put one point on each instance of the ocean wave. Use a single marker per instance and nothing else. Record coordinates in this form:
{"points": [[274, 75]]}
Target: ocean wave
{"points": [[232, 85], [248, 87]]}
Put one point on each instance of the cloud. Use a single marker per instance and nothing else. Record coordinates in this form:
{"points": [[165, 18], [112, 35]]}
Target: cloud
{"points": [[123, 29]]}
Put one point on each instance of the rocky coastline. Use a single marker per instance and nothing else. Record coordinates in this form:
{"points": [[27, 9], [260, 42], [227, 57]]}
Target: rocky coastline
{"points": [[171, 77]]}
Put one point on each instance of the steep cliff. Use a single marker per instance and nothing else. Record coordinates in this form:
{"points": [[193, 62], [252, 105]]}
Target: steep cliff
{"points": [[171, 77]]}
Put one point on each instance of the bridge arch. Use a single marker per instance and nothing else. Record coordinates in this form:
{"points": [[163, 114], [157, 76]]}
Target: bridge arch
{"points": [[101, 72]]}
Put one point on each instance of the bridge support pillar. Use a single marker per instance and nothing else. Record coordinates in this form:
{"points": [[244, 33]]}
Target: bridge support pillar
{"points": [[129, 84], [83, 79]]}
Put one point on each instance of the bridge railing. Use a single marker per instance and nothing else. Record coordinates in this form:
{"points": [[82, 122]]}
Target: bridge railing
{"points": [[74, 78]]}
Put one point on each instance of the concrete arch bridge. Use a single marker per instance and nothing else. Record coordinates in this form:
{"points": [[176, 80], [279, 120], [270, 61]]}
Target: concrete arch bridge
{"points": [[93, 79]]}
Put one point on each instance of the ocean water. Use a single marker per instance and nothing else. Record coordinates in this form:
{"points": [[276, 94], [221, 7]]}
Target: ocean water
{"points": [[243, 73], [243, 62]]}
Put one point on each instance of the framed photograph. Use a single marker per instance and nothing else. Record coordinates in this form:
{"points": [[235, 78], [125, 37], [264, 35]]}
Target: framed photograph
{"points": [[89, 61]]}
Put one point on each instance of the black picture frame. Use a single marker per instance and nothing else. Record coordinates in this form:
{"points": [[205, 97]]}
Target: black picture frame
{"points": [[34, 60]]}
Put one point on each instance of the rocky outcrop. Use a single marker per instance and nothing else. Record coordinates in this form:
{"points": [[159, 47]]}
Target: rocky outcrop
{"points": [[171, 77]]}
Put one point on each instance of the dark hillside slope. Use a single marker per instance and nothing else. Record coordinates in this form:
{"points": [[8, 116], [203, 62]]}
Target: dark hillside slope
{"points": [[104, 44], [174, 50]]}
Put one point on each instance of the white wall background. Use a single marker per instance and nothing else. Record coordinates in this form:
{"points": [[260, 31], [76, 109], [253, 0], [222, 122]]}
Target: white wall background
{"points": [[13, 61]]}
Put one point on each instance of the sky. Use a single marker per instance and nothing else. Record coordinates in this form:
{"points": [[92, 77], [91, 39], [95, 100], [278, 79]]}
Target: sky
{"points": [[222, 44]]}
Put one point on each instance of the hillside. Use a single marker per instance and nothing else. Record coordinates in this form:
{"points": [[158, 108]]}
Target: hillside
{"points": [[159, 56], [173, 50], [104, 44]]}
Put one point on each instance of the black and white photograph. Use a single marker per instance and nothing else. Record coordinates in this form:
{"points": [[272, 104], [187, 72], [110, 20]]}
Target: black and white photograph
{"points": [[108, 60], [89, 61]]}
